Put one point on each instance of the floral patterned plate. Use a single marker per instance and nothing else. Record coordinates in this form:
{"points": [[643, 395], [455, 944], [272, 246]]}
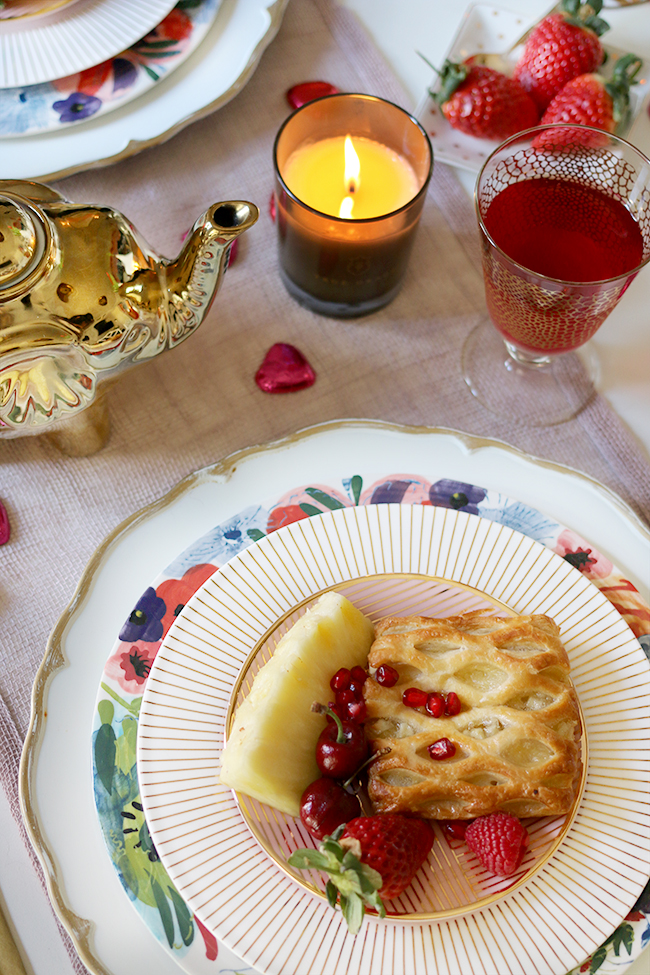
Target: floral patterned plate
{"points": [[58, 104], [125, 673]]}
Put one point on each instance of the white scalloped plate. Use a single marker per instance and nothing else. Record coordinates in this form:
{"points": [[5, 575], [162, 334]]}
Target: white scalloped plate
{"points": [[268, 918]]}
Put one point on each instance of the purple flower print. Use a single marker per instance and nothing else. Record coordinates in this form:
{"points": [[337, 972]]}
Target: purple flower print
{"points": [[145, 622], [390, 491], [77, 106], [457, 495]]}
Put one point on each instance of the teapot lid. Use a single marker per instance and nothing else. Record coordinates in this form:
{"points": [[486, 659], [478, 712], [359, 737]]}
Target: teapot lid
{"points": [[21, 240]]}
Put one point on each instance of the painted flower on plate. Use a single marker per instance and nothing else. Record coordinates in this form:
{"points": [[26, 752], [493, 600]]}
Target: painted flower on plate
{"points": [[77, 106], [130, 664], [457, 495], [145, 621], [176, 592], [581, 555]]}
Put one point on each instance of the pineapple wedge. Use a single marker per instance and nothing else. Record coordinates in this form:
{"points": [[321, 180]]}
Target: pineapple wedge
{"points": [[270, 754]]}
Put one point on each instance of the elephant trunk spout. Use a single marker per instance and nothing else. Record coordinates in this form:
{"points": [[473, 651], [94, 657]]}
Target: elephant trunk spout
{"points": [[193, 279]]}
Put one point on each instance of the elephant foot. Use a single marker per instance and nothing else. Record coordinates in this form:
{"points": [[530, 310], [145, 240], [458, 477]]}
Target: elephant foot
{"points": [[84, 433]]}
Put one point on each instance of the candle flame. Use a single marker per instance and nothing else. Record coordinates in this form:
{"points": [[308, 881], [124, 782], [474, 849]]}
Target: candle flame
{"points": [[345, 210], [352, 167]]}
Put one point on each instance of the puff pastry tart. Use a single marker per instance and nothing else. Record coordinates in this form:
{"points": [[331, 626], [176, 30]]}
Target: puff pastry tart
{"points": [[517, 735]]}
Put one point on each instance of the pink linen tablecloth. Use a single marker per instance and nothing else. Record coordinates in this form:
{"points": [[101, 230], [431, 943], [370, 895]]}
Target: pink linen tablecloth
{"points": [[187, 410]]}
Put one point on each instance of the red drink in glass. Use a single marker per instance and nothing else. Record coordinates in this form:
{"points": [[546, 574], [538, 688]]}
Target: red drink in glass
{"points": [[574, 239]]}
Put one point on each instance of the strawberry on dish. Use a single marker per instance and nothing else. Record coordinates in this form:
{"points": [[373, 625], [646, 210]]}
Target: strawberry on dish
{"points": [[590, 100], [561, 47], [483, 102]]}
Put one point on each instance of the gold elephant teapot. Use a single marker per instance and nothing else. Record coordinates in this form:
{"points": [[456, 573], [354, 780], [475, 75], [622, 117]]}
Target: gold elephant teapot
{"points": [[82, 297]]}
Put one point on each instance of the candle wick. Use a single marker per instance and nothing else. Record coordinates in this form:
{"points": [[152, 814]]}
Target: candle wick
{"points": [[351, 188]]}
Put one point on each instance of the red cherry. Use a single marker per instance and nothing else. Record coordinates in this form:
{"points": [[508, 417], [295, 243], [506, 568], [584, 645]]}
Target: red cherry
{"points": [[413, 697], [452, 704], [435, 705], [359, 674], [441, 749], [325, 805], [386, 676], [341, 680], [341, 748], [307, 91]]}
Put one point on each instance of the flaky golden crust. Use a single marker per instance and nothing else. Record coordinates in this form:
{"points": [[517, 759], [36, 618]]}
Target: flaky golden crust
{"points": [[517, 736]]}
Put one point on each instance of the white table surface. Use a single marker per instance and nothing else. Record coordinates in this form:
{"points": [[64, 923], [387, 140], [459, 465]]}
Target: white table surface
{"points": [[400, 28]]}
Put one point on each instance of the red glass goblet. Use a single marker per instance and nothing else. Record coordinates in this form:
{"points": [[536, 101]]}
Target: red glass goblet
{"points": [[564, 219]]}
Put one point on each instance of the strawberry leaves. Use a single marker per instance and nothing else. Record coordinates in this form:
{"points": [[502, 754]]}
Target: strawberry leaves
{"points": [[353, 884]]}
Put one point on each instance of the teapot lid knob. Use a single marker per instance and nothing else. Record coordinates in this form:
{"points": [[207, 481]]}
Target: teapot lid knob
{"points": [[21, 241]]}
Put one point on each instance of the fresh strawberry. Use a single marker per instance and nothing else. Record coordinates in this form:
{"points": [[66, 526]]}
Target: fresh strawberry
{"points": [[590, 100], [499, 841], [370, 858], [561, 47], [482, 102]]}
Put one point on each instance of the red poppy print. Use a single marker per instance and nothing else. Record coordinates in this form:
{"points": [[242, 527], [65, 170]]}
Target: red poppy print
{"points": [[130, 664], [176, 592]]}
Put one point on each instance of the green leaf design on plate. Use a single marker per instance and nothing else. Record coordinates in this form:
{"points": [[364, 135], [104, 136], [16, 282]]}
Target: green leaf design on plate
{"points": [[255, 534], [309, 509], [126, 745], [624, 935], [356, 484], [183, 916], [598, 958], [106, 712], [325, 499], [105, 756], [164, 910]]}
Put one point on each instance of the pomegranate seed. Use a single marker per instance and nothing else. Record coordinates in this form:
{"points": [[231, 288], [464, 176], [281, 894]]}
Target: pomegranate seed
{"points": [[357, 689], [454, 828], [357, 711], [341, 680], [386, 676], [452, 704], [345, 697], [435, 705], [442, 748], [413, 697], [358, 673]]}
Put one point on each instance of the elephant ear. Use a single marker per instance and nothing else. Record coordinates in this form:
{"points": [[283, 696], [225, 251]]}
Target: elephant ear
{"points": [[41, 386]]}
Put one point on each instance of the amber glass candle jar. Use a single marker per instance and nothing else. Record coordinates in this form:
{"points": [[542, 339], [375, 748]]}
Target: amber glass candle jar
{"points": [[351, 175]]}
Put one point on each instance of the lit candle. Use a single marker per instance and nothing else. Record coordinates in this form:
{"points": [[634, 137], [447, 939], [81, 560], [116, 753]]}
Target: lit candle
{"points": [[351, 177]]}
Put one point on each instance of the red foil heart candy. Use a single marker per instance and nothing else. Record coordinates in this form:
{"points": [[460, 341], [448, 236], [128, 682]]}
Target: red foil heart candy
{"points": [[5, 527], [284, 370], [307, 91]]}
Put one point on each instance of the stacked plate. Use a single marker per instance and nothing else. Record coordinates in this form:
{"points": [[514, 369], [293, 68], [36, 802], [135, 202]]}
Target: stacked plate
{"points": [[353, 508], [80, 81]]}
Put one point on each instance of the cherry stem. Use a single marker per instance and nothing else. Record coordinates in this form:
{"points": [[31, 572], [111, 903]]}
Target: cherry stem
{"points": [[321, 709], [382, 751]]}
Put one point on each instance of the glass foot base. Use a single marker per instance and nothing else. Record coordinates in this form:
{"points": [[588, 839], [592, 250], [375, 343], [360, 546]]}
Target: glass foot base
{"points": [[535, 393]]}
